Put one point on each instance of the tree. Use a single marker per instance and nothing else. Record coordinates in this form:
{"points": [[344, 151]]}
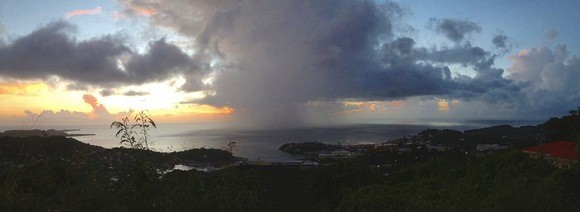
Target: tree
{"points": [[231, 147], [575, 112], [578, 145], [565, 128]]}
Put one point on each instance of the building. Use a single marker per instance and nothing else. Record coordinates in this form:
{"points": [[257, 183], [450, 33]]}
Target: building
{"points": [[324, 156], [386, 147], [562, 153], [438, 148], [489, 147], [342, 154]]}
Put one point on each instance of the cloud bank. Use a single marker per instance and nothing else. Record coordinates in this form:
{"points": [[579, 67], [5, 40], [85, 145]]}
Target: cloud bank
{"points": [[268, 59], [102, 61], [550, 78], [110, 92], [50, 118]]}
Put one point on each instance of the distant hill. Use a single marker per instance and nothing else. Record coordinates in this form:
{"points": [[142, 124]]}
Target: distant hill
{"points": [[35, 132], [444, 137], [308, 147], [505, 132], [15, 150], [566, 128], [39, 133]]}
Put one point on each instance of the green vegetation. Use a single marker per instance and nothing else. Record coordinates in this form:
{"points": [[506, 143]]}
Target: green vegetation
{"points": [[58, 173], [566, 128], [308, 147], [504, 181]]}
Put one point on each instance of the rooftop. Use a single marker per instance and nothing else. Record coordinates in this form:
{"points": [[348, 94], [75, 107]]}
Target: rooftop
{"points": [[557, 149]]}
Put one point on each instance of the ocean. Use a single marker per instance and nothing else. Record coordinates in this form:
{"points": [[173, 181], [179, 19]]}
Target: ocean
{"points": [[259, 144], [251, 144]]}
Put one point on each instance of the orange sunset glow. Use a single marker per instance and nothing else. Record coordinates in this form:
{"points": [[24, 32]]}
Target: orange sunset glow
{"points": [[162, 104]]}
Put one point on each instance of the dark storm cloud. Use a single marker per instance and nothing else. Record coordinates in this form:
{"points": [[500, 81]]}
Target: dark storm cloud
{"points": [[52, 51], [499, 41], [502, 42], [107, 92], [161, 62], [110, 92], [270, 57], [418, 63], [464, 54], [135, 93], [456, 30], [194, 83]]}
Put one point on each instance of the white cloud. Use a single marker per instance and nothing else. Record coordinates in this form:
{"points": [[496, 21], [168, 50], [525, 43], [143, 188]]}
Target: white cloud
{"points": [[551, 78]]}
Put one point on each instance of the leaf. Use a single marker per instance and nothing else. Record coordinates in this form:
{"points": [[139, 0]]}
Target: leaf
{"points": [[152, 122], [119, 132], [135, 125], [116, 124]]}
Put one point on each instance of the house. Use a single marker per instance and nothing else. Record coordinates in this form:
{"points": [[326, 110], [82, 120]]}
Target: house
{"points": [[562, 153], [439, 148], [342, 154], [386, 147], [323, 156], [489, 147], [308, 163]]}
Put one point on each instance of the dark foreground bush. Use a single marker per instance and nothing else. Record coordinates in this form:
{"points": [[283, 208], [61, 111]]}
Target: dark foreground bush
{"points": [[504, 181]]}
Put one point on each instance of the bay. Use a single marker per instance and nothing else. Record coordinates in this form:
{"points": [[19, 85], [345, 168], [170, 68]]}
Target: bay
{"points": [[262, 144]]}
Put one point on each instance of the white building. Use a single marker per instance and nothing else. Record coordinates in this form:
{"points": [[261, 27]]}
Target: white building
{"points": [[489, 147]]}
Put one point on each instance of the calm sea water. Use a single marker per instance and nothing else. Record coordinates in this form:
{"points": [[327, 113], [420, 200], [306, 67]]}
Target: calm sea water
{"points": [[258, 144], [252, 144]]}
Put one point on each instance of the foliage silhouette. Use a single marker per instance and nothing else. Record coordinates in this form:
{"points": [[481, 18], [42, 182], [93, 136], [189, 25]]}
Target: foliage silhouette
{"points": [[231, 147], [128, 131]]}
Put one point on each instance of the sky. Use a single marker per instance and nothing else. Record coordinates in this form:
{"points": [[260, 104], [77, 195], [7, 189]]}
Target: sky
{"points": [[286, 64]]}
